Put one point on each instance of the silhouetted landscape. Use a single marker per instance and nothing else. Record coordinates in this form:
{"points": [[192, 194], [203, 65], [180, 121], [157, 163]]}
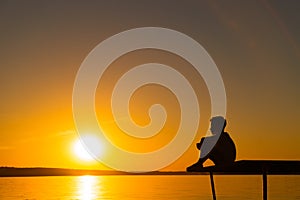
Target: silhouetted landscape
{"points": [[40, 171], [275, 167]]}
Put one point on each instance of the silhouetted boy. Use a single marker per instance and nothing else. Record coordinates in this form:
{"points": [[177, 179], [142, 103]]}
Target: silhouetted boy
{"points": [[222, 147]]}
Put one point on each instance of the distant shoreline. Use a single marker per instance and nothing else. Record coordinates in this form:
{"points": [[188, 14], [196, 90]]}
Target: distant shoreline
{"points": [[241, 167], [40, 171]]}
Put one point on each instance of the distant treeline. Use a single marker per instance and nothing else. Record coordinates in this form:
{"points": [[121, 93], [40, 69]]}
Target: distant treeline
{"points": [[19, 172]]}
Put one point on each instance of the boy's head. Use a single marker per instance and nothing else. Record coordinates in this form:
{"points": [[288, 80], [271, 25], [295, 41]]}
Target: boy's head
{"points": [[217, 125]]}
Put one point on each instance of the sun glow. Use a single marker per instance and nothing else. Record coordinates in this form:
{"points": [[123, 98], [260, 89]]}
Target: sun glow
{"points": [[81, 152]]}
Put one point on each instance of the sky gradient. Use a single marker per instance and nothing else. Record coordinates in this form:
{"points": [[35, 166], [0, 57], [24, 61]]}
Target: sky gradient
{"points": [[255, 44]]}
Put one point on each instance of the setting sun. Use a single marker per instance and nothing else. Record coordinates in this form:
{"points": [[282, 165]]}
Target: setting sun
{"points": [[81, 152]]}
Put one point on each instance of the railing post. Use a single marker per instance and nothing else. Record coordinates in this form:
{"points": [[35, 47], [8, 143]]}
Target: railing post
{"points": [[212, 185], [265, 185]]}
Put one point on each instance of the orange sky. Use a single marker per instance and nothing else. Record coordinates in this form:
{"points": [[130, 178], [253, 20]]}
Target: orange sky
{"points": [[254, 44]]}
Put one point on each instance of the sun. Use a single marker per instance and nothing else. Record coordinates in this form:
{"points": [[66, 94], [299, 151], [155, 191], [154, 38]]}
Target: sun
{"points": [[81, 152]]}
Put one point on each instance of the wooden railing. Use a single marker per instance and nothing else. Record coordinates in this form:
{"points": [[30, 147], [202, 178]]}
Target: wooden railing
{"points": [[253, 167]]}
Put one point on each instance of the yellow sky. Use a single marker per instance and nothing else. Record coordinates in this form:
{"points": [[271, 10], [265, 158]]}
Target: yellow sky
{"points": [[255, 46]]}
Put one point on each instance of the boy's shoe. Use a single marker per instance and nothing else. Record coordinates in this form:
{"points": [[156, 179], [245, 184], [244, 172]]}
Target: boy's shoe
{"points": [[195, 167]]}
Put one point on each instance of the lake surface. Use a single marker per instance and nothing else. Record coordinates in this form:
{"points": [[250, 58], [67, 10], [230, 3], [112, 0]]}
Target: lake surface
{"points": [[147, 187]]}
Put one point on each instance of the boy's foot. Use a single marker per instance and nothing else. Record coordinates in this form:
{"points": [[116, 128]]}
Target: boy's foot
{"points": [[195, 167]]}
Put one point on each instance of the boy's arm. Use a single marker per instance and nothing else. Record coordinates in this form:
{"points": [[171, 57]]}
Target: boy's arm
{"points": [[200, 143]]}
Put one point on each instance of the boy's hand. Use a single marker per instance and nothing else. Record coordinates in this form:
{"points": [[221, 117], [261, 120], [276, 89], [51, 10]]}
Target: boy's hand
{"points": [[198, 145]]}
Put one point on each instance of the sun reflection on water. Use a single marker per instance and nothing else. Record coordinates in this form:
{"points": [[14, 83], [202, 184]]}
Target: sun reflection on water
{"points": [[89, 187]]}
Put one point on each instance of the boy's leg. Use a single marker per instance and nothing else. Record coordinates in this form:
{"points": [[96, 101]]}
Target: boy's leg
{"points": [[197, 166]]}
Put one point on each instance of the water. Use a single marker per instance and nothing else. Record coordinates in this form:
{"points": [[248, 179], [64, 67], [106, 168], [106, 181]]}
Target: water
{"points": [[147, 187]]}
